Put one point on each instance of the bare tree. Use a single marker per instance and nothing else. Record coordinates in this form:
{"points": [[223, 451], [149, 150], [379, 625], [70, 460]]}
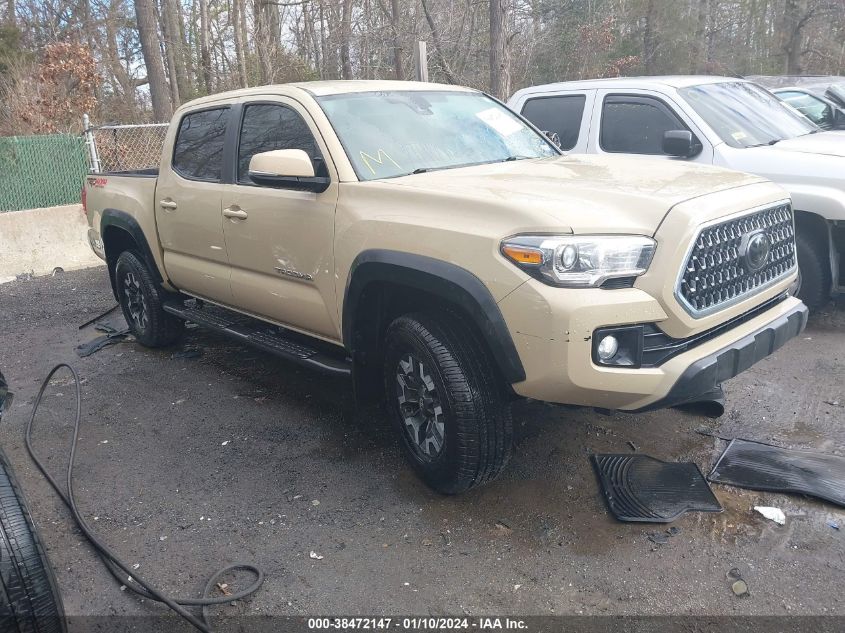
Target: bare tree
{"points": [[174, 40], [499, 70], [237, 30], [205, 52], [148, 35], [345, 37], [438, 44]]}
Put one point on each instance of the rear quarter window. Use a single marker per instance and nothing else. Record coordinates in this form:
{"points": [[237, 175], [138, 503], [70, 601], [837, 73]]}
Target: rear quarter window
{"points": [[198, 151], [561, 114]]}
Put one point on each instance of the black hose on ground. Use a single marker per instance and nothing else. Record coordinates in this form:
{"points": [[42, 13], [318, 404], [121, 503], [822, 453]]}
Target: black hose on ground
{"points": [[120, 570]]}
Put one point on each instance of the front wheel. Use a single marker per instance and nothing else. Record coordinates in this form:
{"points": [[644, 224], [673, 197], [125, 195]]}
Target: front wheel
{"points": [[446, 404], [140, 300]]}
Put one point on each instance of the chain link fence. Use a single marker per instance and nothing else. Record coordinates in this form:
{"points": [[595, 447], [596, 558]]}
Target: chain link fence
{"points": [[125, 147], [48, 170], [41, 171]]}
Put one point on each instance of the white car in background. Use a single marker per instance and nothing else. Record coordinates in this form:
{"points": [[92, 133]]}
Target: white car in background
{"points": [[820, 110], [721, 121]]}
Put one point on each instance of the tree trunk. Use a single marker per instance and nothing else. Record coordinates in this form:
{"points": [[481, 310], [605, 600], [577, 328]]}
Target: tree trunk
{"points": [[10, 12], [795, 19], [169, 55], [438, 45], [398, 71], [499, 71], [699, 43], [205, 52], [240, 58], [175, 42], [267, 33], [148, 34], [345, 43], [649, 46], [245, 62]]}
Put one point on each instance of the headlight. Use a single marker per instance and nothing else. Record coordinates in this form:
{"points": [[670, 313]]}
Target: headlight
{"points": [[580, 261]]}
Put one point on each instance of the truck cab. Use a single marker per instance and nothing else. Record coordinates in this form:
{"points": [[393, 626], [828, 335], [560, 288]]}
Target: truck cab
{"points": [[712, 121]]}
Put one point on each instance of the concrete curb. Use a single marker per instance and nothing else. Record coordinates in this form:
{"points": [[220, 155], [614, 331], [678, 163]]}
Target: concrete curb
{"points": [[37, 241]]}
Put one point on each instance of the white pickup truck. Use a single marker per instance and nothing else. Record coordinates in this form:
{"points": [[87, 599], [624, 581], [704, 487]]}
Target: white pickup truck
{"points": [[716, 121]]}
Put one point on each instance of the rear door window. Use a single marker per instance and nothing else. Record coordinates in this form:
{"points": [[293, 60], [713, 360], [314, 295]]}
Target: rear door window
{"points": [[198, 152], [635, 124], [561, 114]]}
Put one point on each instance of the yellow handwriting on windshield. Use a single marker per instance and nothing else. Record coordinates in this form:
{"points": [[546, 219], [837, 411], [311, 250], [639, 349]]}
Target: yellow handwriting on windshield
{"points": [[378, 159]]}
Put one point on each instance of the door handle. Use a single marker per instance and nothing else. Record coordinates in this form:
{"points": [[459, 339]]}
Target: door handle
{"points": [[235, 213], [167, 203]]}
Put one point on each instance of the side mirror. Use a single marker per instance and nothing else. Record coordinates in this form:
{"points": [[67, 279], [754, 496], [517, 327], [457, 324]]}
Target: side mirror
{"points": [[554, 137], [838, 119], [680, 143], [286, 169]]}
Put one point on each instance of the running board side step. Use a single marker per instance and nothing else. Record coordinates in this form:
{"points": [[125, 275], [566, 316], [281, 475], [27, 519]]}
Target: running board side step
{"points": [[264, 336]]}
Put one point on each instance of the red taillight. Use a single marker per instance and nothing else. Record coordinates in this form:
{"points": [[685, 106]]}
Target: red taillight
{"points": [[84, 196]]}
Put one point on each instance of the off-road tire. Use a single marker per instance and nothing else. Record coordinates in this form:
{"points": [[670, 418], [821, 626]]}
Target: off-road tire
{"points": [[159, 328], [478, 437], [29, 597], [813, 266]]}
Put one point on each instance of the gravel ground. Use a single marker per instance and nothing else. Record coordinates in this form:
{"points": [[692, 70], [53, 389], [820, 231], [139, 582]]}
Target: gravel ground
{"points": [[188, 464]]}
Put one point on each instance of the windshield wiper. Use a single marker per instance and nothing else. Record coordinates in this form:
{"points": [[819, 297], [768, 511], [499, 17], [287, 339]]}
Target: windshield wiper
{"points": [[423, 170]]}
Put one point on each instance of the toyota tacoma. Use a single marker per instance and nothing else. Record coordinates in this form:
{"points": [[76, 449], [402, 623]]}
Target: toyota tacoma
{"points": [[438, 248]]}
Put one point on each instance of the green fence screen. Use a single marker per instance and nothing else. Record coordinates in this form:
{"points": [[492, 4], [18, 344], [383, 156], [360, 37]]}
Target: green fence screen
{"points": [[41, 171]]}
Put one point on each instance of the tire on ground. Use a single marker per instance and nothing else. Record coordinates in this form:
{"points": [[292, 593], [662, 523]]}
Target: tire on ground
{"points": [[478, 436], [814, 270], [29, 597], [133, 278]]}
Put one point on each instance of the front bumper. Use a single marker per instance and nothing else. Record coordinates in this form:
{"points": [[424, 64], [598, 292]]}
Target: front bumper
{"points": [[552, 331], [708, 372]]}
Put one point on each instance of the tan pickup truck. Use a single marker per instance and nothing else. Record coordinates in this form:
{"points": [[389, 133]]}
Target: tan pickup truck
{"points": [[434, 245]]}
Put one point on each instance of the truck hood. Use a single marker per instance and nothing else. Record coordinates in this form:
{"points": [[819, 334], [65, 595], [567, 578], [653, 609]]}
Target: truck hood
{"points": [[827, 143], [584, 192], [816, 160]]}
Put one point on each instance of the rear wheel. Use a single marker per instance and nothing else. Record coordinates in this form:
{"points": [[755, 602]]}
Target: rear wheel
{"points": [[813, 287], [141, 299], [29, 597], [447, 406]]}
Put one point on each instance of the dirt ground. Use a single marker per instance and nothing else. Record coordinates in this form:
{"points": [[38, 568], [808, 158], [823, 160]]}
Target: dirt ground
{"points": [[186, 464]]}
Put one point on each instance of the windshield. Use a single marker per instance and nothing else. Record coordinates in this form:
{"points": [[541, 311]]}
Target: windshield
{"points": [[396, 133], [745, 115]]}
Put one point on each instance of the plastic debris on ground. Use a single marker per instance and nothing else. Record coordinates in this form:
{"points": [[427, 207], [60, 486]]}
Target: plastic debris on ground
{"points": [[95, 345], [710, 404], [773, 514]]}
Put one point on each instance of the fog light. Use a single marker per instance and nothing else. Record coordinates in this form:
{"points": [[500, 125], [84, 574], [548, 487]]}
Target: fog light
{"points": [[607, 348]]}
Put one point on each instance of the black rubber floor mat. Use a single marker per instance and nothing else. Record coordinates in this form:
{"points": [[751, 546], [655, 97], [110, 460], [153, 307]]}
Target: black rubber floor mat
{"points": [[642, 488], [765, 467]]}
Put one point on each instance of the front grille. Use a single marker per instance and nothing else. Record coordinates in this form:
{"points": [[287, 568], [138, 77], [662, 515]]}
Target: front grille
{"points": [[719, 269]]}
